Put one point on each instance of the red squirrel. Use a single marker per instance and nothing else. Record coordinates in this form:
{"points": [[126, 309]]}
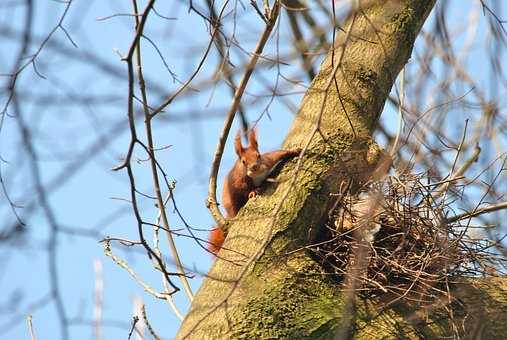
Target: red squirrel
{"points": [[245, 179]]}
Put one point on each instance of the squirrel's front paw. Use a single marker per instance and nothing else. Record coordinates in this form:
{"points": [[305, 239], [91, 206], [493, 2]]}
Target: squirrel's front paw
{"points": [[254, 193]]}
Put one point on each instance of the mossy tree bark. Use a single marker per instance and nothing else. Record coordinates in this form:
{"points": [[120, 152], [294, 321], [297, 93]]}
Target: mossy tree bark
{"points": [[264, 285]]}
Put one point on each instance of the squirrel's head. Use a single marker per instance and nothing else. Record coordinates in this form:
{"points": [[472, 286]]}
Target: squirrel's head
{"points": [[249, 157]]}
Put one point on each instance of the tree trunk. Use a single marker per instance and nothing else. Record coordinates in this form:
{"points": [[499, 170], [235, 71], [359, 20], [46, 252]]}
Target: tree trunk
{"points": [[265, 285]]}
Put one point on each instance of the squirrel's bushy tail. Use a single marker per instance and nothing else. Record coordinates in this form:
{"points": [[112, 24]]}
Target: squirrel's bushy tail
{"points": [[216, 240]]}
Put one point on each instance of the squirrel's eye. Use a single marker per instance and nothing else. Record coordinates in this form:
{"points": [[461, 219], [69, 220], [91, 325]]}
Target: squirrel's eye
{"points": [[243, 161]]}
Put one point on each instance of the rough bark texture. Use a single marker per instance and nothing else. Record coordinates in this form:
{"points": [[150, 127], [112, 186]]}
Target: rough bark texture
{"points": [[283, 293]]}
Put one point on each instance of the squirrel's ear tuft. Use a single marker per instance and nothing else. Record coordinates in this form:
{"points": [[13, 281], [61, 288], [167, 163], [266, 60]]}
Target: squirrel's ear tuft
{"points": [[252, 139], [237, 145]]}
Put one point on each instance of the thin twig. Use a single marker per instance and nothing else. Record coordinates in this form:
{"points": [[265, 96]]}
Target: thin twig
{"points": [[156, 245], [477, 212], [154, 171], [30, 327], [212, 187], [147, 323], [135, 319], [109, 253]]}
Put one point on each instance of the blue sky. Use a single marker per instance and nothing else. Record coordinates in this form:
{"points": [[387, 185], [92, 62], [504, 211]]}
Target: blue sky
{"points": [[65, 131]]}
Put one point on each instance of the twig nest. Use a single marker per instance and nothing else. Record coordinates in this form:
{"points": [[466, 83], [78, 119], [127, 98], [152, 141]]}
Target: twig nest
{"points": [[393, 238]]}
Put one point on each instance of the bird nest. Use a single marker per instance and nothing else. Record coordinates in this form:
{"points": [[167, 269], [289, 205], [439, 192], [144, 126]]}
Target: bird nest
{"points": [[394, 239]]}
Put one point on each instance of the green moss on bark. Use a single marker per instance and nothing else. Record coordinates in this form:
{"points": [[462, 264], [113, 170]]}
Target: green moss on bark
{"points": [[299, 306]]}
